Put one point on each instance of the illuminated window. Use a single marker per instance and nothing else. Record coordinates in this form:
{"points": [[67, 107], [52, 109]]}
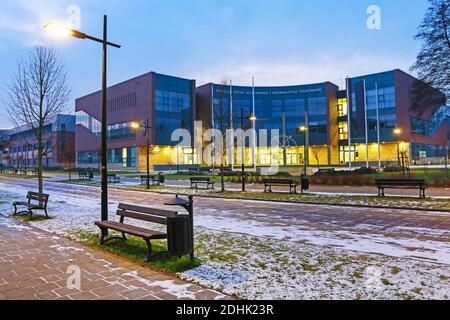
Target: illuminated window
{"points": [[342, 107], [343, 131]]}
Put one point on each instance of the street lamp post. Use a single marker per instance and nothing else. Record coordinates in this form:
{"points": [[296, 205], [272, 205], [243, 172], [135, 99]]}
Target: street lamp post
{"points": [[243, 151], [254, 156], [397, 133], [304, 130], [104, 159], [145, 131]]}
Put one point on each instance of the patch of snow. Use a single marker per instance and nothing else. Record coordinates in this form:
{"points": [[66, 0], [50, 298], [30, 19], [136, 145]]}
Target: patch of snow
{"points": [[169, 286]]}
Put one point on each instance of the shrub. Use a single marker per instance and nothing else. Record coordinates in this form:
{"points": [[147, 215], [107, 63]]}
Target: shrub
{"points": [[365, 170], [393, 169]]}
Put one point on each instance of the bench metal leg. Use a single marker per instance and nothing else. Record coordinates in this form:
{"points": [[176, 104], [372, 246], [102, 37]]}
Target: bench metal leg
{"points": [[422, 194], [103, 236], [30, 212], [15, 209], [46, 214], [149, 252]]}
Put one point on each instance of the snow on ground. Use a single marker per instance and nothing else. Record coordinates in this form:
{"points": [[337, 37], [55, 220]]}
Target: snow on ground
{"points": [[256, 268], [247, 256]]}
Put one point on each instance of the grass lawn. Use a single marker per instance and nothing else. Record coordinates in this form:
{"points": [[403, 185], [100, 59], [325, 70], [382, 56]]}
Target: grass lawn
{"points": [[25, 217], [350, 200], [308, 198], [19, 176], [82, 182], [135, 250], [214, 178]]}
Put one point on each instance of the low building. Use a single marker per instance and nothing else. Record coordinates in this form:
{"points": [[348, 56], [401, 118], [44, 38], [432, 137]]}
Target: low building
{"points": [[4, 139], [58, 143]]}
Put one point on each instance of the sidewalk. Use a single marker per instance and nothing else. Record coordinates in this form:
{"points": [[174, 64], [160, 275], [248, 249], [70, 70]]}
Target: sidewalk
{"points": [[36, 265]]}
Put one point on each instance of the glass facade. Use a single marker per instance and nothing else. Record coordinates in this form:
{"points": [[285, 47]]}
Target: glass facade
{"points": [[271, 103], [115, 132], [365, 91], [173, 107], [126, 157]]}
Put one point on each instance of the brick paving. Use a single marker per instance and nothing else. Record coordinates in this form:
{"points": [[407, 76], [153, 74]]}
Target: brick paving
{"points": [[35, 265]]}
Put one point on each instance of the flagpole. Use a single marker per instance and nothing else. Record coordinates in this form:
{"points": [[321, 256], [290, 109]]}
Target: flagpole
{"points": [[378, 127], [253, 125], [367, 127], [231, 124], [349, 125], [213, 154]]}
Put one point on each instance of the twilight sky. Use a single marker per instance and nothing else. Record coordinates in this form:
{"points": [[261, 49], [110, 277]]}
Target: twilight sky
{"points": [[280, 42]]}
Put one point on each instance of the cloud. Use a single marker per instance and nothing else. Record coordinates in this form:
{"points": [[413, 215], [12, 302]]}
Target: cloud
{"points": [[291, 72], [22, 20]]}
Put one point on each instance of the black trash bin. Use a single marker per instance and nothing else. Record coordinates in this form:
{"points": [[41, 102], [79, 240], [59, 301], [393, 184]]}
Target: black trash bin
{"points": [[305, 182], [178, 235]]}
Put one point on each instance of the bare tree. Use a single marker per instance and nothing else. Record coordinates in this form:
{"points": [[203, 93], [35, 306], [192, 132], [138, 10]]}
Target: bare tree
{"points": [[433, 60], [316, 150], [37, 94], [222, 123]]}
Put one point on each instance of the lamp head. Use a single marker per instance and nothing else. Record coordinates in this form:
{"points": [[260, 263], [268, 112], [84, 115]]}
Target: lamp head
{"points": [[135, 125]]}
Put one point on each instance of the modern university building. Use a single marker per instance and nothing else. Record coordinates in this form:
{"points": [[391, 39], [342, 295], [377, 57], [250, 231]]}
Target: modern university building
{"points": [[167, 102], [354, 126]]}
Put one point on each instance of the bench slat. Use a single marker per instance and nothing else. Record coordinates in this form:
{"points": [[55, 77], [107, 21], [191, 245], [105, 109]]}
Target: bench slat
{"points": [[145, 210], [133, 230], [143, 217]]}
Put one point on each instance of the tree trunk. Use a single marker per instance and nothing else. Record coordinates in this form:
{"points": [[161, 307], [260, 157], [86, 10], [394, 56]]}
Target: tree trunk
{"points": [[222, 178], [40, 156]]}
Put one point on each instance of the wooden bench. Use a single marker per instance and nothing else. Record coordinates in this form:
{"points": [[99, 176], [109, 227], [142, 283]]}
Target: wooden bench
{"points": [[34, 173], [113, 178], [269, 183], [36, 201], [13, 171], [401, 184], [23, 172], [153, 180], [152, 215], [85, 176], [207, 171], [206, 181]]}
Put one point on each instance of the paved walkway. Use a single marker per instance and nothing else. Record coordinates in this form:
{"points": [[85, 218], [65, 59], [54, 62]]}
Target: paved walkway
{"points": [[35, 265]]}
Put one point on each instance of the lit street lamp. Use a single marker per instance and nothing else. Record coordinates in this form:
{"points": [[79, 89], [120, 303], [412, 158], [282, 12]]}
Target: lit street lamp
{"points": [[397, 133], [56, 28], [304, 130], [145, 131]]}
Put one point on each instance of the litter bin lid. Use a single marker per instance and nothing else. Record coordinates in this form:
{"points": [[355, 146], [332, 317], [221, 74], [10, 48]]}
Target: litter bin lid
{"points": [[177, 202]]}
